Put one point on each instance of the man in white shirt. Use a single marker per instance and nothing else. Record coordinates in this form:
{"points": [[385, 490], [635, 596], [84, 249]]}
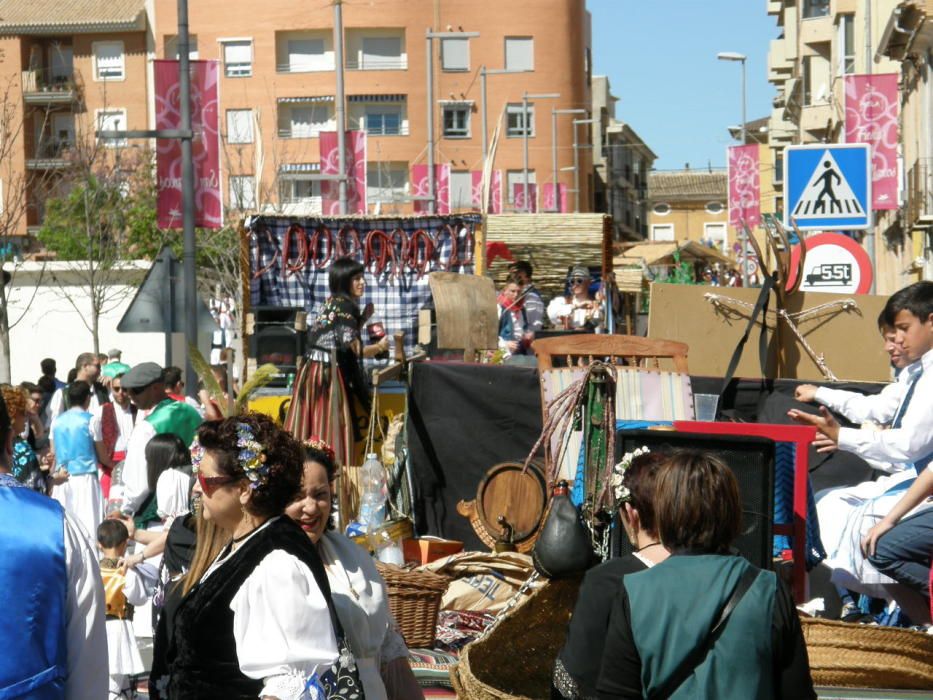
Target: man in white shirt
{"points": [[88, 370], [909, 441], [48, 559]]}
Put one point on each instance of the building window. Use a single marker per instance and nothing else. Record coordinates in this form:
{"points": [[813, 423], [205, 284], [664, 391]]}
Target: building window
{"points": [[112, 120], [514, 178], [457, 121], [461, 189], [455, 54], [662, 209], [383, 121], [519, 53], [242, 192], [381, 53], [238, 57], [778, 167], [846, 44], [239, 126], [518, 123], [300, 191], [386, 182], [714, 208], [302, 119], [109, 60], [779, 206], [716, 235], [662, 232], [171, 47], [815, 80], [815, 8]]}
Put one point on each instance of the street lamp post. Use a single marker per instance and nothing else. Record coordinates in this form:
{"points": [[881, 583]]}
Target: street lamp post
{"points": [[525, 129], [429, 57], [576, 162], [554, 113], [741, 58]]}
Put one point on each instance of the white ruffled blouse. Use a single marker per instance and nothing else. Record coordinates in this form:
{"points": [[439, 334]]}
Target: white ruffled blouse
{"points": [[281, 624], [359, 595]]}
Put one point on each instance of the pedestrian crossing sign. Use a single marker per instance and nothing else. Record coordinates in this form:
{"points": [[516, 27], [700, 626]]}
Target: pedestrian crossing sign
{"points": [[828, 187]]}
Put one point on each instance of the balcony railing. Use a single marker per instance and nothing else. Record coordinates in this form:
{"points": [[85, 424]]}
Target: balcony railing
{"points": [[381, 63], [51, 155], [41, 87], [305, 132], [920, 193], [304, 67]]}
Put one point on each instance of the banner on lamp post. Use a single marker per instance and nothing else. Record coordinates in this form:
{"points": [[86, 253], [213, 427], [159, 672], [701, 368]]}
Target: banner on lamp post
{"points": [[744, 186], [550, 203], [518, 197], [495, 191], [205, 146], [354, 147], [420, 187], [871, 117]]}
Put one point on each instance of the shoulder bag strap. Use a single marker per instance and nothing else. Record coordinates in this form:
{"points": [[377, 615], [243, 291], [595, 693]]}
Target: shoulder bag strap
{"points": [[692, 660]]}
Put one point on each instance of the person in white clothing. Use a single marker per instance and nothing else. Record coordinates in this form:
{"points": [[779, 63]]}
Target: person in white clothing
{"points": [[87, 368], [908, 441], [169, 464], [358, 591], [74, 632], [124, 588], [259, 621], [577, 309]]}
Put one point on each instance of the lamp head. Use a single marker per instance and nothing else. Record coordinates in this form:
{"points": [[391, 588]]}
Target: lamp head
{"points": [[731, 56]]}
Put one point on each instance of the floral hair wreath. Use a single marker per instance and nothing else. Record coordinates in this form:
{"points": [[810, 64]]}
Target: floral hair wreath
{"points": [[620, 491], [316, 443], [251, 457]]}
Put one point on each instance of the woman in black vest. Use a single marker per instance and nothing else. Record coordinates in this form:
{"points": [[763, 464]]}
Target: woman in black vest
{"points": [[257, 622]]}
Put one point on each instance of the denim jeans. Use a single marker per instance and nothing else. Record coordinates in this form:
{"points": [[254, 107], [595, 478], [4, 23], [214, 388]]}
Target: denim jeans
{"points": [[904, 552]]}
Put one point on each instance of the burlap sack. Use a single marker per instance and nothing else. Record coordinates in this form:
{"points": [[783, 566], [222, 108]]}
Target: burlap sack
{"points": [[483, 581]]}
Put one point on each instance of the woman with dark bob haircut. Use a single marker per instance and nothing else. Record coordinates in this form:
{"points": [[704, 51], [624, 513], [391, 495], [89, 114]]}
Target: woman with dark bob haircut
{"points": [[704, 623], [257, 622], [331, 375]]}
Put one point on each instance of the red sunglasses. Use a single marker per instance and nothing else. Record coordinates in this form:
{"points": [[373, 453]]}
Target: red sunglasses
{"points": [[209, 484]]}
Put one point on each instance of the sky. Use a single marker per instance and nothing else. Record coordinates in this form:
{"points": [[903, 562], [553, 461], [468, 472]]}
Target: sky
{"points": [[660, 57]]}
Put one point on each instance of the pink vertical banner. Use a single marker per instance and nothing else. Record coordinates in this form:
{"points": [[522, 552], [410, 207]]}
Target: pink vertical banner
{"points": [[208, 203], [518, 196], [355, 160], [744, 186], [871, 117], [550, 202], [495, 191], [420, 187]]}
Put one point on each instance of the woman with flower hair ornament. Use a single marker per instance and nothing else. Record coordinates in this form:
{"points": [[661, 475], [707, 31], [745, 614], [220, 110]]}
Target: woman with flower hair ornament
{"points": [[259, 621], [577, 667]]}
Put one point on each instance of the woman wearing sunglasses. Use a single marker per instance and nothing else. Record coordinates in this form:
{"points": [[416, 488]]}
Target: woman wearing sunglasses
{"points": [[258, 621], [577, 310]]}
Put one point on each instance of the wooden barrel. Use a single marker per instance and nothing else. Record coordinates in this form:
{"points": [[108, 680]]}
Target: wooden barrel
{"points": [[520, 498]]}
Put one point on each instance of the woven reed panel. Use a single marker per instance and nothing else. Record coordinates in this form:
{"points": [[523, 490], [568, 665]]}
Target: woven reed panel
{"points": [[551, 243]]}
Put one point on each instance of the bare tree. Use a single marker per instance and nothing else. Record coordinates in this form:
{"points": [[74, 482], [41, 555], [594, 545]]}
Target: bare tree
{"points": [[17, 184]]}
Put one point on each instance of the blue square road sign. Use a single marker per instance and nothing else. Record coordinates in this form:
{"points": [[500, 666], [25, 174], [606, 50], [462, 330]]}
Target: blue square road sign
{"points": [[828, 186]]}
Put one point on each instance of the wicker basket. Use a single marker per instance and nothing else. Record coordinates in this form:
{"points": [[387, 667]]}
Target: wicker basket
{"points": [[414, 599], [866, 656], [487, 670]]}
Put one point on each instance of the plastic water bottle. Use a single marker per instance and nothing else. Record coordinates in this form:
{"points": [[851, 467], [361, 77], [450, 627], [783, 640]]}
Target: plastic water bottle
{"points": [[372, 493]]}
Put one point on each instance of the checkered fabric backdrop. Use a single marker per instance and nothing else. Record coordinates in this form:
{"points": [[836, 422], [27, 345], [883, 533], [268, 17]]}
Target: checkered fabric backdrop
{"points": [[297, 277]]}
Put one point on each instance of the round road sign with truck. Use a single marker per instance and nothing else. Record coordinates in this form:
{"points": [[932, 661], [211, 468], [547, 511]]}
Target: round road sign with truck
{"points": [[834, 263]]}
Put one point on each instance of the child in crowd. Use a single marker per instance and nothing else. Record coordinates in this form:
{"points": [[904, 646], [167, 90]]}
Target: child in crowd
{"points": [[123, 589]]}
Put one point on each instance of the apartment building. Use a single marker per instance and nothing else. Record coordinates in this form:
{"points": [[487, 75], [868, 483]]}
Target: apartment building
{"points": [[690, 205], [821, 42], [278, 88], [621, 162], [908, 40]]}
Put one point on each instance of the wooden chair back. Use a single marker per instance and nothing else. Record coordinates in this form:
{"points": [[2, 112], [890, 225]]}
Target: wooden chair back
{"points": [[630, 350]]}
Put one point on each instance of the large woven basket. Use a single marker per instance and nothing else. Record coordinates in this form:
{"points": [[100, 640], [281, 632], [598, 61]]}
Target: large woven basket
{"points": [[490, 668], [414, 599], [867, 656]]}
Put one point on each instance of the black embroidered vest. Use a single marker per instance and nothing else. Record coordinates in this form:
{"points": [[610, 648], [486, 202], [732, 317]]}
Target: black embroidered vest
{"points": [[200, 657]]}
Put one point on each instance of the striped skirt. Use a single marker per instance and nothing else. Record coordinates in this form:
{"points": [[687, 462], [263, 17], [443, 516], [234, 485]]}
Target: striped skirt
{"points": [[320, 407]]}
